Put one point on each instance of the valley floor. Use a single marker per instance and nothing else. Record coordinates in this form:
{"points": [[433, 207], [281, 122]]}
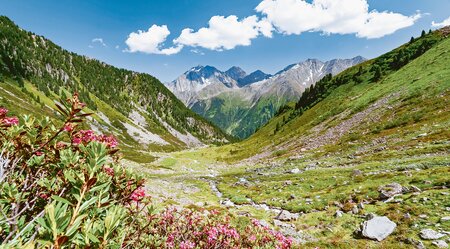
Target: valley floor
{"points": [[324, 199]]}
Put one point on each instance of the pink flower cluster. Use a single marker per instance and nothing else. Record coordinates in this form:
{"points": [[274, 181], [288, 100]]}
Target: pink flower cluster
{"points": [[189, 229], [187, 245], [283, 242], [87, 136], [138, 194], [7, 121]]}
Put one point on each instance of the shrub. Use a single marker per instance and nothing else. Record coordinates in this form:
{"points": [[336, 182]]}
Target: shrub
{"points": [[61, 187]]}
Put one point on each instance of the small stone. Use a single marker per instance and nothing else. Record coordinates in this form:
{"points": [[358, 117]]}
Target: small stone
{"points": [[287, 183], [430, 234], [285, 215], [378, 228], [440, 244], [423, 216], [357, 172], [407, 216], [390, 190], [361, 205], [295, 171], [444, 219], [228, 203], [291, 197], [370, 216], [355, 210], [338, 214]]}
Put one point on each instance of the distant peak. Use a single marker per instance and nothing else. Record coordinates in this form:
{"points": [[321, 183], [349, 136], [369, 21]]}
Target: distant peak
{"points": [[236, 73]]}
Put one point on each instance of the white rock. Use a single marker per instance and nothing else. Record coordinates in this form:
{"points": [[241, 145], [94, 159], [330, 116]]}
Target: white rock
{"points": [[378, 228], [338, 214], [285, 215], [228, 203], [440, 244], [447, 218], [295, 171], [430, 234]]}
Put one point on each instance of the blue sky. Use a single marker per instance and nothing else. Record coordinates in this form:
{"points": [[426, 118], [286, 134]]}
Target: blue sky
{"points": [[74, 24]]}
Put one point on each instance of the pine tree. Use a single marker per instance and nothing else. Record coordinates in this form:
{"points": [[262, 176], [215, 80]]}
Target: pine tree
{"points": [[377, 73]]}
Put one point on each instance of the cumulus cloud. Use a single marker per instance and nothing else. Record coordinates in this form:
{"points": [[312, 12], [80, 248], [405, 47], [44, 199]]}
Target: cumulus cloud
{"points": [[224, 33], [151, 41], [444, 23], [332, 17]]}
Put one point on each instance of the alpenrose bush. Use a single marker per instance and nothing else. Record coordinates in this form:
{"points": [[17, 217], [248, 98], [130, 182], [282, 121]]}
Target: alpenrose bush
{"points": [[62, 187]]}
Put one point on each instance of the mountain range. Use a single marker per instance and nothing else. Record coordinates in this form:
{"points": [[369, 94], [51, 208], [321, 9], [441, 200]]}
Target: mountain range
{"points": [[240, 103]]}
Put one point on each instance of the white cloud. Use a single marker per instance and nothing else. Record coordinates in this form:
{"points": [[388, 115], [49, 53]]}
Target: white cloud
{"points": [[151, 41], [117, 47], [197, 51], [224, 33], [100, 41], [444, 23], [332, 17]]}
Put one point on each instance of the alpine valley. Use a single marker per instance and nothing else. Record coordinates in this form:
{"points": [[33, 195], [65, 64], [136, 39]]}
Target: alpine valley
{"points": [[348, 153], [241, 103]]}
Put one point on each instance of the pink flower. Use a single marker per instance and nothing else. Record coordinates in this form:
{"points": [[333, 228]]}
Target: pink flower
{"points": [[76, 140], [3, 111], [10, 121], [68, 127], [109, 171], [39, 153], [252, 238], [187, 245], [43, 196], [110, 141], [138, 194]]}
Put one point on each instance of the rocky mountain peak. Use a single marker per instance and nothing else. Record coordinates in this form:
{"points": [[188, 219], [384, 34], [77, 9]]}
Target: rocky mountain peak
{"points": [[236, 73]]}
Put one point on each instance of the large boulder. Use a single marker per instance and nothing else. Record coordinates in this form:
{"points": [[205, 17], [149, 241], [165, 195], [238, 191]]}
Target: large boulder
{"points": [[378, 228]]}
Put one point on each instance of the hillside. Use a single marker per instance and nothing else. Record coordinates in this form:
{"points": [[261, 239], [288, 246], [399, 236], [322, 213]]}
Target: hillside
{"points": [[363, 103], [373, 140], [240, 103], [135, 107]]}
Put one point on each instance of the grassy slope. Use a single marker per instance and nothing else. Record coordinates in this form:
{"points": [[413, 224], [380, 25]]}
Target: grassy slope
{"points": [[27, 57], [404, 138]]}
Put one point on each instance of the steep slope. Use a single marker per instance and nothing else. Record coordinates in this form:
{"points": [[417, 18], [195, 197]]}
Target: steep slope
{"points": [[398, 95], [136, 107], [241, 111]]}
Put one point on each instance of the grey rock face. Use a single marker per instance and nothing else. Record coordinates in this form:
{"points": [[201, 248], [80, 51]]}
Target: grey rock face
{"points": [[378, 228], [430, 234]]}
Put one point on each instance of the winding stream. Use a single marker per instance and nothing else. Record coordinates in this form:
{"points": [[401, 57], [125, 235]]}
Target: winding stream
{"points": [[280, 213]]}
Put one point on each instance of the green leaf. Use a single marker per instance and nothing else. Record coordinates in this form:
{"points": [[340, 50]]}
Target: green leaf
{"points": [[87, 203], [60, 199], [76, 224]]}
